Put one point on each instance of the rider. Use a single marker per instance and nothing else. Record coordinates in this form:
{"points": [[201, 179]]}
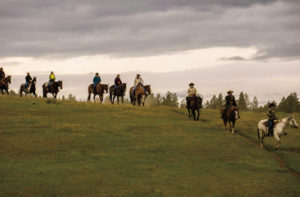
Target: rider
{"points": [[271, 117], [192, 91], [96, 81], [138, 80], [118, 81], [2, 74], [28, 80], [229, 101], [51, 79]]}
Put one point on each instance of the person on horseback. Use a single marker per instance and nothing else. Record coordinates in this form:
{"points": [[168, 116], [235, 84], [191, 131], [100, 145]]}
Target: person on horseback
{"points": [[51, 79], [192, 92], [229, 101], [118, 82], [28, 80], [137, 81], [2, 74], [96, 81], [271, 118]]}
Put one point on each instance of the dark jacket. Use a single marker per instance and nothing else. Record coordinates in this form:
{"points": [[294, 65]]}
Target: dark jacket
{"points": [[271, 115], [118, 81], [97, 80], [2, 74], [28, 78], [230, 100]]}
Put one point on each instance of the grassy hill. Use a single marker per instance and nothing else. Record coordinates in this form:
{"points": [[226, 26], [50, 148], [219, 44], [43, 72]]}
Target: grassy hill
{"points": [[88, 149]]}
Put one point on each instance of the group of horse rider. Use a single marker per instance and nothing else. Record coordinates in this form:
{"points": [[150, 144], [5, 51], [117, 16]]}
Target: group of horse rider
{"points": [[191, 94], [118, 82]]}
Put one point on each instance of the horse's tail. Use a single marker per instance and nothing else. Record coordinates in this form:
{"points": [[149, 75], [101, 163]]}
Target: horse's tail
{"points": [[21, 90]]}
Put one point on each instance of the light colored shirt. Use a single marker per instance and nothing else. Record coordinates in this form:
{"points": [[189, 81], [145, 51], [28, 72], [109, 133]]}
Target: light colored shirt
{"points": [[192, 92], [137, 81]]}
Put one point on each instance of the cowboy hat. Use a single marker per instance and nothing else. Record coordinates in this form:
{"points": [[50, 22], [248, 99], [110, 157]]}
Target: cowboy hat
{"points": [[191, 84], [230, 91], [272, 105]]}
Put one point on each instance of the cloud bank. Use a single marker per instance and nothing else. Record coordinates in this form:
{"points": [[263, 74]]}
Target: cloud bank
{"points": [[126, 28]]}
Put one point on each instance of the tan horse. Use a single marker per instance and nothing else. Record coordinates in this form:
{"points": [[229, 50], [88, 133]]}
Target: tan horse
{"points": [[100, 90], [230, 116], [140, 94]]}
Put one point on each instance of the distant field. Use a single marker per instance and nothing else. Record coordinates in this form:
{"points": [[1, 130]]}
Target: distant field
{"points": [[87, 149]]}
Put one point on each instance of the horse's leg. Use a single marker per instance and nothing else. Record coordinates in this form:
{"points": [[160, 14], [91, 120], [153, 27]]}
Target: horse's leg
{"points": [[194, 114], [20, 92], [189, 110], [143, 100], [225, 124], [198, 114], [260, 138], [118, 99], [233, 125], [277, 138], [7, 91], [101, 98], [89, 96]]}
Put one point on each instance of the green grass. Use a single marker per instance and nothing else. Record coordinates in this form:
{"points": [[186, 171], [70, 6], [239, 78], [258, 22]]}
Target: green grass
{"points": [[86, 149]]}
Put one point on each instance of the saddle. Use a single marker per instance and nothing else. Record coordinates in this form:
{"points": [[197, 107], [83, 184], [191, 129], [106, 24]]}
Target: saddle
{"points": [[266, 124]]}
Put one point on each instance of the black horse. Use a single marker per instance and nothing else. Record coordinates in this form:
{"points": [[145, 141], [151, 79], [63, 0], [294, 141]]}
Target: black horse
{"points": [[29, 90], [54, 88], [195, 105], [119, 91], [4, 84]]}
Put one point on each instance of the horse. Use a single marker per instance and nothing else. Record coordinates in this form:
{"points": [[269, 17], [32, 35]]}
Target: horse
{"points": [[29, 90], [54, 88], [262, 130], [4, 84], [230, 116], [140, 94], [99, 91], [195, 105], [119, 91]]}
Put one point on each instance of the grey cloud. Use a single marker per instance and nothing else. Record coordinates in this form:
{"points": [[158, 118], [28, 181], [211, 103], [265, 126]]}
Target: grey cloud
{"points": [[142, 28], [235, 58]]}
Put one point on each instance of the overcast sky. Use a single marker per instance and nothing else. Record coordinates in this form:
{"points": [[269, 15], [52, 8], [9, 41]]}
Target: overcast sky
{"points": [[82, 37]]}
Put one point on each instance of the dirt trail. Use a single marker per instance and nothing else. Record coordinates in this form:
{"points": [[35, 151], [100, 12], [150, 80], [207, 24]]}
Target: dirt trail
{"points": [[280, 161]]}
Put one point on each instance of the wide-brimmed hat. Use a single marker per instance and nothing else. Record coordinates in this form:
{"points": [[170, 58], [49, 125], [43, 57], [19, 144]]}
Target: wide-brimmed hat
{"points": [[230, 91], [138, 75], [97, 73], [191, 84], [272, 105]]}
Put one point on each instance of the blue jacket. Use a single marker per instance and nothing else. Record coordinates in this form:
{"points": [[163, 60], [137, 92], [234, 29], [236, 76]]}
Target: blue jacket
{"points": [[97, 80]]}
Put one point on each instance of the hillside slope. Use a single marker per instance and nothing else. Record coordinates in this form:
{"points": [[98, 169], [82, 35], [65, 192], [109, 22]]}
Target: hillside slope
{"points": [[87, 149]]}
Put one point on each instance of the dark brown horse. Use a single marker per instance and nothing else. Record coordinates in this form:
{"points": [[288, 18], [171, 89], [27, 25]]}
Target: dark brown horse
{"points": [[117, 92], [4, 84], [54, 88], [29, 90], [100, 90], [195, 105], [140, 94], [230, 116]]}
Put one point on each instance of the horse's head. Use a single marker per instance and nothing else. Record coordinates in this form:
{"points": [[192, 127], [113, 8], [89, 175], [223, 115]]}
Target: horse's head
{"points": [[105, 87], [148, 89], [60, 84], [236, 113], [292, 122], [8, 79]]}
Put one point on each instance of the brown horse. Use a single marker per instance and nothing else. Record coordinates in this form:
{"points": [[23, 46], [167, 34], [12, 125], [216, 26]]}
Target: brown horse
{"points": [[117, 92], [195, 105], [29, 90], [99, 91], [140, 94], [54, 88], [230, 116], [4, 84]]}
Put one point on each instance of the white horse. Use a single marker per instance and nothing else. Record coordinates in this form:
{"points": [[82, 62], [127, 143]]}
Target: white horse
{"points": [[262, 130]]}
